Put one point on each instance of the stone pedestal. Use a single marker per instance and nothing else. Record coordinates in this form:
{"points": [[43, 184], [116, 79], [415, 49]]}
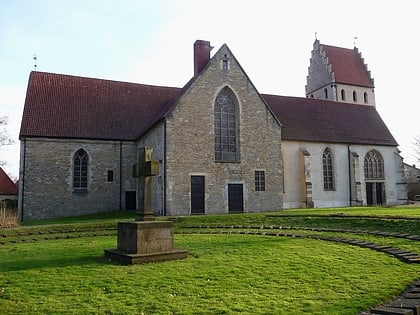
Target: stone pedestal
{"points": [[145, 241]]}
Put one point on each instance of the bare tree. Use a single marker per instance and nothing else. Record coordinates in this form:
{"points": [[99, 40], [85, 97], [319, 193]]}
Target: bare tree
{"points": [[4, 135], [416, 148]]}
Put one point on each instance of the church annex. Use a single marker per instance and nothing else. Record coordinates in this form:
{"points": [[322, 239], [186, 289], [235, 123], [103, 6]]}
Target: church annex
{"points": [[222, 146]]}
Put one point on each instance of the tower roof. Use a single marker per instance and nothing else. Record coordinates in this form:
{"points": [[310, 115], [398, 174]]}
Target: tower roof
{"points": [[348, 66]]}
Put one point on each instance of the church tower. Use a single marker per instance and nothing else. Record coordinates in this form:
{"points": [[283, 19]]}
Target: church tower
{"points": [[339, 74]]}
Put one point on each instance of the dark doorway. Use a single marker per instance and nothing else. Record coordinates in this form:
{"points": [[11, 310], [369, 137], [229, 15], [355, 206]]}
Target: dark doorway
{"points": [[369, 194], [197, 194], [375, 194], [379, 194], [236, 198], [130, 200]]}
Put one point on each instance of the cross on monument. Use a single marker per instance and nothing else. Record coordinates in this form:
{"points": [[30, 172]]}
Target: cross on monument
{"points": [[144, 170]]}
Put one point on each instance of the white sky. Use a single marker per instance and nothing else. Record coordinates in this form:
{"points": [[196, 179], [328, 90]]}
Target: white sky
{"points": [[151, 42]]}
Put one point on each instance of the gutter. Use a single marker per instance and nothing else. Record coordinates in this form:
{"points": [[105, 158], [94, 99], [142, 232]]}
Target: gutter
{"points": [[120, 184], [349, 170], [164, 168]]}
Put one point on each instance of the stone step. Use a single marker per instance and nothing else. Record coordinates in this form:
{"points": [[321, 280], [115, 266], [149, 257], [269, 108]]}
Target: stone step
{"points": [[412, 304], [384, 310]]}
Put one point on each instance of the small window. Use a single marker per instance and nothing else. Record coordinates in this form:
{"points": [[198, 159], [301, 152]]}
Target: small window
{"points": [[225, 64], [365, 98], [343, 95], [110, 176], [326, 93], [259, 180], [354, 96]]}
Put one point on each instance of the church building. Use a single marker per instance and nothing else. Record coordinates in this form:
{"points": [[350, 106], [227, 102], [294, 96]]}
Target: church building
{"points": [[222, 147]]}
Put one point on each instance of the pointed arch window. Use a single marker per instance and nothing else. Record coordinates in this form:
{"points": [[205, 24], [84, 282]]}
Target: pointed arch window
{"points": [[343, 95], [326, 93], [327, 169], [354, 96], [226, 126], [80, 170], [374, 165]]}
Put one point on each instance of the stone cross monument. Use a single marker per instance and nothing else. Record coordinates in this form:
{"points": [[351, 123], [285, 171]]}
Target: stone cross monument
{"points": [[144, 170], [145, 240]]}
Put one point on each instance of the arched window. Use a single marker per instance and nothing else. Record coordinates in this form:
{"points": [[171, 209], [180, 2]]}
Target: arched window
{"points": [[326, 93], [365, 97], [327, 169], [226, 126], [80, 170], [343, 95], [354, 96], [374, 165]]}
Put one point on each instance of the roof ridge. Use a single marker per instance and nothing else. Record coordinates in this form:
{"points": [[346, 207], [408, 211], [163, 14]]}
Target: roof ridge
{"points": [[100, 79]]}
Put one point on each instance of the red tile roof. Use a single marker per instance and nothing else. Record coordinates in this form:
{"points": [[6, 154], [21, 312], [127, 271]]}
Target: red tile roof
{"points": [[348, 66], [64, 106], [308, 119], [7, 186]]}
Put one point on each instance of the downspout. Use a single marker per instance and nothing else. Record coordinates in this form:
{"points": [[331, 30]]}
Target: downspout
{"points": [[22, 180], [120, 175], [349, 169], [164, 167]]}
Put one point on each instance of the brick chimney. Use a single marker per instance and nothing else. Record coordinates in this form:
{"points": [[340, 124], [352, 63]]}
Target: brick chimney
{"points": [[202, 50]]}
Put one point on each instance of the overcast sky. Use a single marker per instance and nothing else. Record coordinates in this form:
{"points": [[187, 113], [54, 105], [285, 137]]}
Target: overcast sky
{"points": [[151, 42]]}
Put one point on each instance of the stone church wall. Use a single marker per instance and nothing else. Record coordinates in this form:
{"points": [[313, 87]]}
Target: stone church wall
{"points": [[190, 144], [47, 177]]}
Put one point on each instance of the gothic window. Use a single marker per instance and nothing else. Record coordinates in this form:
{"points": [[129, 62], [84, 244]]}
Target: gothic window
{"points": [[343, 95], [80, 170], [226, 129], [327, 169], [259, 180], [354, 96], [374, 165], [326, 93], [365, 97]]}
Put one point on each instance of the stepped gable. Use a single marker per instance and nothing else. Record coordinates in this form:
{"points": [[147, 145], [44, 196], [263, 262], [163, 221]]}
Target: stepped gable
{"points": [[7, 186], [308, 119], [347, 65], [65, 106]]}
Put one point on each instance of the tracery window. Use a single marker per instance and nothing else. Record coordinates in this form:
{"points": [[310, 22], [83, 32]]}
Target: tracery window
{"points": [[80, 170], [327, 169], [374, 165], [226, 129]]}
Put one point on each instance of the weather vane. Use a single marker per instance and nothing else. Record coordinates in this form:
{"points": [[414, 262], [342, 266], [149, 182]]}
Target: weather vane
{"points": [[34, 58], [354, 40]]}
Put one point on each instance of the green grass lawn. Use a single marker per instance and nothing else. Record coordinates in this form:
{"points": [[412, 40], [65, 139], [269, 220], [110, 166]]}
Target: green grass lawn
{"points": [[223, 274]]}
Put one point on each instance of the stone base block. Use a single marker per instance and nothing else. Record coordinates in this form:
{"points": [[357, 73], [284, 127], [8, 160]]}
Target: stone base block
{"points": [[145, 241], [130, 259]]}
